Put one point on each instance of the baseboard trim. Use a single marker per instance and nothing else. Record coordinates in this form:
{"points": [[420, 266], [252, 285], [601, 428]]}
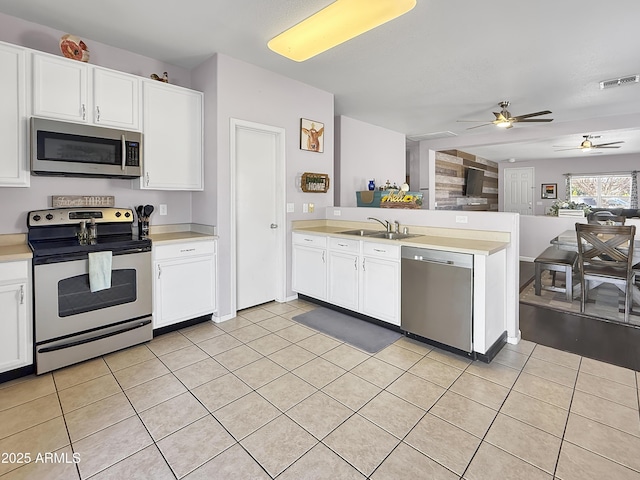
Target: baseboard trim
{"points": [[17, 373], [494, 349], [177, 326]]}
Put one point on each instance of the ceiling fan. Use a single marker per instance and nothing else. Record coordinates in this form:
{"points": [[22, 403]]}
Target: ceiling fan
{"points": [[505, 120], [587, 145]]}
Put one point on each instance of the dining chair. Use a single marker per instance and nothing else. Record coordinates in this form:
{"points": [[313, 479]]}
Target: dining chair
{"points": [[605, 254]]}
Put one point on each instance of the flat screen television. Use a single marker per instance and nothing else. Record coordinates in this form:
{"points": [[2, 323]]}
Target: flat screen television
{"points": [[474, 181]]}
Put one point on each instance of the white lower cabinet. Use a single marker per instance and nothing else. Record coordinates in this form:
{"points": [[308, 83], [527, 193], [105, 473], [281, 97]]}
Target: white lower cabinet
{"points": [[358, 275], [309, 275], [380, 280], [16, 336], [184, 281]]}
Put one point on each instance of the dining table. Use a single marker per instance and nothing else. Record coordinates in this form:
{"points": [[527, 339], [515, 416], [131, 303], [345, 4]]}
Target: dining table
{"points": [[568, 240]]}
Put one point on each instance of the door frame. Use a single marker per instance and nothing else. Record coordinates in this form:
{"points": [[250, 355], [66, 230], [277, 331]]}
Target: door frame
{"points": [[505, 170], [279, 134]]}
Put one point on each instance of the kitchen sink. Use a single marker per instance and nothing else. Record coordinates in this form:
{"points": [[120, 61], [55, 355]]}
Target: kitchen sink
{"points": [[393, 235], [362, 232]]}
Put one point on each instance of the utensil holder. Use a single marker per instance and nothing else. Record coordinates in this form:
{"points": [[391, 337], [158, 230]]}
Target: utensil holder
{"points": [[143, 229]]}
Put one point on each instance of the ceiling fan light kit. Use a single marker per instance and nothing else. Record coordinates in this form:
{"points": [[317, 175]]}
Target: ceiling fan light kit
{"points": [[587, 145], [335, 24]]}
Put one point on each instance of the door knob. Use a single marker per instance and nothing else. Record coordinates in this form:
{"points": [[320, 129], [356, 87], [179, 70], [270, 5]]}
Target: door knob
{"points": [[273, 225]]}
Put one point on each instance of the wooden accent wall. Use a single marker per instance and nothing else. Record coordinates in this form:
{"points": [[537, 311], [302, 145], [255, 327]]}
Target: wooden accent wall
{"points": [[451, 168]]}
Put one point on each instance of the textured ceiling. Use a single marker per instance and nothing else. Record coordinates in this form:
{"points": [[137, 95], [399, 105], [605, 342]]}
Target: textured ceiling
{"points": [[444, 61]]}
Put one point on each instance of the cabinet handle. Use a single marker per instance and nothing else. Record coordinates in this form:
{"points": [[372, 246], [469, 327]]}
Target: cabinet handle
{"points": [[378, 250], [159, 271], [355, 263], [124, 150], [323, 257], [147, 179], [363, 260], [21, 294], [343, 245], [97, 114], [84, 112], [307, 240]]}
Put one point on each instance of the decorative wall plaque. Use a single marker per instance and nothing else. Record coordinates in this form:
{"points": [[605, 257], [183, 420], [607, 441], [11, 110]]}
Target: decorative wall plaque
{"points": [[61, 201]]}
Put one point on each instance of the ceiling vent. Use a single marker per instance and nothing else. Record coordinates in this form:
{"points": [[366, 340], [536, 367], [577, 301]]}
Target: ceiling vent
{"points": [[618, 82], [431, 136]]}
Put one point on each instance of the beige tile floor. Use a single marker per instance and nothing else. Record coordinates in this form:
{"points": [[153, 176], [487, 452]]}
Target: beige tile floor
{"points": [[261, 397]]}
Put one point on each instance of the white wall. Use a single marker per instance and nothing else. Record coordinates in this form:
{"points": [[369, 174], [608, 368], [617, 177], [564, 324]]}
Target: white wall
{"points": [[16, 202], [247, 92], [367, 152], [553, 170]]}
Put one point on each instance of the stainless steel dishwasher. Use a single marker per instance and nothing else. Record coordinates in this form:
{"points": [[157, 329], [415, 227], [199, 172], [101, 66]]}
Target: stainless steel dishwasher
{"points": [[437, 296]]}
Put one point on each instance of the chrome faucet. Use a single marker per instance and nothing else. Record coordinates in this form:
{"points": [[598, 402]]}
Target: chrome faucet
{"points": [[385, 223], [396, 225], [83, 234]]}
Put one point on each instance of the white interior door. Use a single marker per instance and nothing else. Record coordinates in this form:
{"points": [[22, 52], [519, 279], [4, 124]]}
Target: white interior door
{"points": [[259, 221], [518, 190]]}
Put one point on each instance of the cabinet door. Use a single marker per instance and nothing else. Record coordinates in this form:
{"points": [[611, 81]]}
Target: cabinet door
{"points": [[184, 289], [15, 337], [172, 127], [60, 88], [116, 99], [310, 272], [14, 170], [344, 279], [381, 289]]}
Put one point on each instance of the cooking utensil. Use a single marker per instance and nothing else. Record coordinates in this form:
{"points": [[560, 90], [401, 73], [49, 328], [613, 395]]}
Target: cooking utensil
{"points": [[148, 210], [139, 212]]}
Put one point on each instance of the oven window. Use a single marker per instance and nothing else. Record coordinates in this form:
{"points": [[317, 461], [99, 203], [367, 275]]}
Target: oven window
{"points": [[75, 296]]}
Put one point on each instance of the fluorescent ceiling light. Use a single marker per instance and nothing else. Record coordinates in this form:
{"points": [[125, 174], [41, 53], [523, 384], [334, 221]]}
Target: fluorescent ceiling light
{"points": [[335, 24]]}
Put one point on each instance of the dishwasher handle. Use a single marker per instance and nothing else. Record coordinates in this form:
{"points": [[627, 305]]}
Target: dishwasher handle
{"points": [[419, 258]]}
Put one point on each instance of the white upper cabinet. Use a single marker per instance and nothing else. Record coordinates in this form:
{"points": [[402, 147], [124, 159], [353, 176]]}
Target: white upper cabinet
{"points": [[172, 137], [69, 90], [116, 99], [14, 169]]}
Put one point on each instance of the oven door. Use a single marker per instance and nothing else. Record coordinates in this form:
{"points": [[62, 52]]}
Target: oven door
{"points": [[65, 305]]}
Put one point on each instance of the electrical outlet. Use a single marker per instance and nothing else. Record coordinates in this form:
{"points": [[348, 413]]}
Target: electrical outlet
{"points": [[311, 207], [291, 207], [163, 209], [337, 213], [462, 219], [305, 208]]}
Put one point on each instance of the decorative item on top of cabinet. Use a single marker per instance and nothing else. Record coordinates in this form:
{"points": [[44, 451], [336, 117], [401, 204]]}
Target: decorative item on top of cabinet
{"points": [[74, 48], [314, 182], [164, 78]]}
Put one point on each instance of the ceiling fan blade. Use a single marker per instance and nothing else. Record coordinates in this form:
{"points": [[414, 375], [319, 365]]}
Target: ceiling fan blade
{"points": [[470, 120], [532, 120], [528, 115], [600, 146], [607, 144], [565, 149], [477, 126], [500, 117]]}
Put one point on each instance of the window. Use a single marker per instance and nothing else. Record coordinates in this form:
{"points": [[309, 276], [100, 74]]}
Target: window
{"points": [[603, 191]]}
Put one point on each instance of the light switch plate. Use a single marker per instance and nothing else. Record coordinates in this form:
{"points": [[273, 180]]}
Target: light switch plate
{"points": [[291, 207], [305, 208], [462, 219], [163, 209], [337, 213], [311, 207]]}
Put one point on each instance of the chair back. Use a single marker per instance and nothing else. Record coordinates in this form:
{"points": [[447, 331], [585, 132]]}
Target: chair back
{"points": [[608, 219], [607, 247]]}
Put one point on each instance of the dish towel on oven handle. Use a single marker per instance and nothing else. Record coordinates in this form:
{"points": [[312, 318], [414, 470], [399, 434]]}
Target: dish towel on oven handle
{"points": [[100, 270]]}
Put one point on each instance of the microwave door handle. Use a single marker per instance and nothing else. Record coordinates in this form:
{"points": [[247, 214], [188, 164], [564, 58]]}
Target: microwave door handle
{"points": [[124, 150]]}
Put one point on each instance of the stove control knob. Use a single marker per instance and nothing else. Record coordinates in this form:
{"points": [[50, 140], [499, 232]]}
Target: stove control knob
{"points": [[36, 218], [127, 214], [118, 214], [49, 216]]}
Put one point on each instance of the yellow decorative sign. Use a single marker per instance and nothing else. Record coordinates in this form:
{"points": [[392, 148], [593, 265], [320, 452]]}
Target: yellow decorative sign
{"points": [[400, 199]]}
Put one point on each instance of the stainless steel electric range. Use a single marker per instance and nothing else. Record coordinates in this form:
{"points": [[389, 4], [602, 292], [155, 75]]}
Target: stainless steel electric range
{"points": [[72, 323]]}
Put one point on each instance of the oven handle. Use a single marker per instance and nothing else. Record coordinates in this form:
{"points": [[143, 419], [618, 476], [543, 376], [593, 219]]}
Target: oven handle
{"points": [[93, 339]]}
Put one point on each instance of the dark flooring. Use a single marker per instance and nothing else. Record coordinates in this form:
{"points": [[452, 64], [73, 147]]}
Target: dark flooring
{"points": [[586, 336]]}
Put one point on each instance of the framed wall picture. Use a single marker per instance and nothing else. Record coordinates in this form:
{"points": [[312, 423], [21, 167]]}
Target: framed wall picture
{"points": [[311, 135], [549, 190]]}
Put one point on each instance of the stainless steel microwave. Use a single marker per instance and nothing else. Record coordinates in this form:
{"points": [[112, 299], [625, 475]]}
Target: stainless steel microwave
{"points": [[76, 150]]}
